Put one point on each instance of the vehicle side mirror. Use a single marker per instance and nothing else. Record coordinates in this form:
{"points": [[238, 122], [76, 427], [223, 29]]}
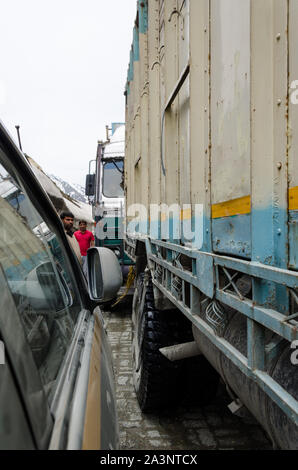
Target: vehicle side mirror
{"points": [[90, 185], [104, 274]]}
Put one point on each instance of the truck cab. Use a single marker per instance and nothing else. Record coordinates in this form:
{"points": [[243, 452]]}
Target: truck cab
{"points": [[105, 189]]}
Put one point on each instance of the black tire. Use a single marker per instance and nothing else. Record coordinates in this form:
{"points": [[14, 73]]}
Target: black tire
{"points": [[159, 382], [156, 379]]}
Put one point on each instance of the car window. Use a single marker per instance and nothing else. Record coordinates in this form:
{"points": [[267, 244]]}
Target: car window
{"points": [[33, 262]]}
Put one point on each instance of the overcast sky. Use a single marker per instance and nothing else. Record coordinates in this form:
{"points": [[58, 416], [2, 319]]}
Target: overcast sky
{"points": [[63, 72]]}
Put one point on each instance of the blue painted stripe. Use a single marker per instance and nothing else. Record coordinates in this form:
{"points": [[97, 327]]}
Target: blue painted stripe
{"points": [[130, 69], [143, 16], [231, 235], [262, 236], [174, 230], [136, 45], [142, 8]]}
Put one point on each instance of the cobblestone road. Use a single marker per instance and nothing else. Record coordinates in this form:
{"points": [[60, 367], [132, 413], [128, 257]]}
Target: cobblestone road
{"points": [[184, 428]]}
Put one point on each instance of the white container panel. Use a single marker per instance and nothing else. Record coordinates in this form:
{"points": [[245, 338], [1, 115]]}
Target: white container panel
{"points": [[230, 99]]}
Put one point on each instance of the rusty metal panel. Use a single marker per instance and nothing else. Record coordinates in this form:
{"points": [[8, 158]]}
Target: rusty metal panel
{"points": [[184, 104], [161, 52], [183, 34], [143, 162], [200, 112], [230, 122], [230, 99], [269, 131], [170, 181], [155, 57], [293, 135], [293, 105], [269, 145]]}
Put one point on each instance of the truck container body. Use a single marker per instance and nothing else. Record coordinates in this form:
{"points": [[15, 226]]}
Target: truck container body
{"points": [[211, 158]]}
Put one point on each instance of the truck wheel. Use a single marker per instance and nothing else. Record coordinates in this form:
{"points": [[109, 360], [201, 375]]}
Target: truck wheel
{"points": [[156, 379]]}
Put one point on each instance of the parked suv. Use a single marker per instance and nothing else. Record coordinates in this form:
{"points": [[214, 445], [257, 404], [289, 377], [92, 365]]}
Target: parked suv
{"points": [[56, 382]]}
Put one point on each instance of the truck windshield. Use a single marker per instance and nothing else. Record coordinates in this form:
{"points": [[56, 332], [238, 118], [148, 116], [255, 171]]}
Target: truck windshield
{"points": [[113, 179]]}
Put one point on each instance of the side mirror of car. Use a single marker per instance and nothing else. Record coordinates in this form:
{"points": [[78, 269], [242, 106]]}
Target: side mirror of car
{"points": [[90, 185], [104, 274]]}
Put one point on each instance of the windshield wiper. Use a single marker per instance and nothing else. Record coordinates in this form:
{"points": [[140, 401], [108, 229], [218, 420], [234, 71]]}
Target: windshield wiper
{"points": [[119, 169]]}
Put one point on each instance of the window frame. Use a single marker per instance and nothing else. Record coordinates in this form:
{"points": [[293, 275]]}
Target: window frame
{"points": [[104, 163]]}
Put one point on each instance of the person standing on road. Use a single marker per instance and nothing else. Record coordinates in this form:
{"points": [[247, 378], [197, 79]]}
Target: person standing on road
{"points": [[85, 240], [67, 220]]}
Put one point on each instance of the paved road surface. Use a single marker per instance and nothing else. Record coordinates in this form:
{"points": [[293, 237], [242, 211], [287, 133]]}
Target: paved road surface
{"points": [[184, 428]]}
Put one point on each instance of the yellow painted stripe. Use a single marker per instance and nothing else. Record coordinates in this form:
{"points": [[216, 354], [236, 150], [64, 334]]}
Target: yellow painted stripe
{"points": [[238, 206], [293, 199], [243, 205], [92, 428], [185, 214]]}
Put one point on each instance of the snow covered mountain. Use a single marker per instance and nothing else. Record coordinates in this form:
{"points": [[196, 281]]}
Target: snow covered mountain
{"points": [[73, 190]]}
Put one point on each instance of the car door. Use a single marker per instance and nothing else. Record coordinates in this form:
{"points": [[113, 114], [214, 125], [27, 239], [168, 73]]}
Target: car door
{"points": [[58, 362]]}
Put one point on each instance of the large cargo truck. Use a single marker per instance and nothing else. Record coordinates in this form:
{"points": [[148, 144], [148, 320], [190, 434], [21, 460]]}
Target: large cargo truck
{"points": [[211, 185]]}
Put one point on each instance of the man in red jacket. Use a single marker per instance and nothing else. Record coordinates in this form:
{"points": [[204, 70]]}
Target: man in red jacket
{"points": [[85, 239]]}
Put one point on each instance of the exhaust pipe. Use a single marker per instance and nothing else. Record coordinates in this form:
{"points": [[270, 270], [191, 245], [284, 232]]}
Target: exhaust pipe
{"points": [[180, 351]]}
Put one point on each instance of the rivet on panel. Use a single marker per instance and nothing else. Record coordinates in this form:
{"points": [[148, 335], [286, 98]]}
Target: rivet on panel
{"points": [[279, 102], [279, 165], [278, 36], [279, 231]]}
